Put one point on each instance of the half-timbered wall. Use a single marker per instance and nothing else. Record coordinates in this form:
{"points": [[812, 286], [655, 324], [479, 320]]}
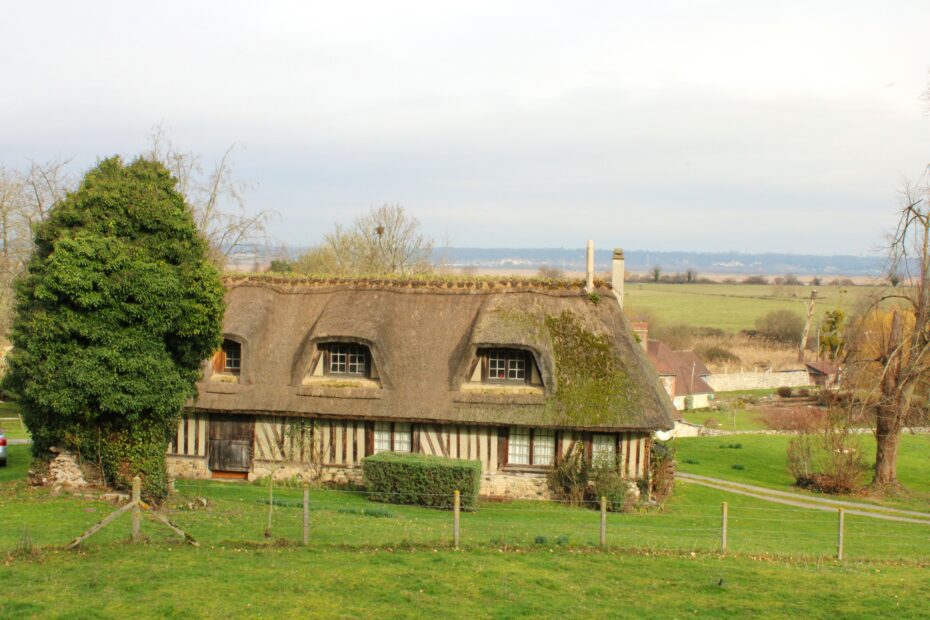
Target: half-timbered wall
{"points": [[191, 436], [342, 443]]}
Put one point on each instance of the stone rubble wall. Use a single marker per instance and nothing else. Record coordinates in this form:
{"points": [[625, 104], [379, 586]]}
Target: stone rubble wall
{"points": [[728, 382]]}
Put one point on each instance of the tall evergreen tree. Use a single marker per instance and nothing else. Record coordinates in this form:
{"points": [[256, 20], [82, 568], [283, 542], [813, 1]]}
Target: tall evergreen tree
{"points": [[115, 314]]}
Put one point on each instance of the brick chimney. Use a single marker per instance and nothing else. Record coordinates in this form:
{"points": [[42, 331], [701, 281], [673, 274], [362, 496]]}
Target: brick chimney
{"points": [[641, 329], [616, 277]]}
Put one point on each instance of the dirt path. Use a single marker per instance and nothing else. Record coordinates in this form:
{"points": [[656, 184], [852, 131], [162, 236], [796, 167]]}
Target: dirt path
{"points": [[804, 501]]}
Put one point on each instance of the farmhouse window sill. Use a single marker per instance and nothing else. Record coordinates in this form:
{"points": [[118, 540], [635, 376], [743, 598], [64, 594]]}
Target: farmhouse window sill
{"points": [[361, 393], [222, 388]]}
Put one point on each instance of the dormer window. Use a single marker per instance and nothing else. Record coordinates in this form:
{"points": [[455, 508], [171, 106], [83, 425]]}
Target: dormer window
{"points": [[351, 360], [507, 366]]}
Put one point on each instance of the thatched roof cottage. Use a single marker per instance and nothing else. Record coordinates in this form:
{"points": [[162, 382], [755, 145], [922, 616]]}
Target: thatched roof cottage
{"points": [[315, 374]]}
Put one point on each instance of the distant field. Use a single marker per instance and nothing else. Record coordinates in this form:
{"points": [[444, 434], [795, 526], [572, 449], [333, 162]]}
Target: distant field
{"points": [[734, 307]]}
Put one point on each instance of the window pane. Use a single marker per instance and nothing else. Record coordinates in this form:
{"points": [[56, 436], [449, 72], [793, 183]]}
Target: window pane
{"points": [[543, 447], [337, 359], [357, 358], [518, 451], [603, 448], [402, 438], [382, 437], [497, 364], [516, 366], [232, 351]]}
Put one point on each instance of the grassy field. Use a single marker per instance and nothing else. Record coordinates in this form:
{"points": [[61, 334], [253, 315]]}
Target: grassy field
{"points": [[12, 428], [519, 558], [729, 419], [763, 462], [734, 307]]}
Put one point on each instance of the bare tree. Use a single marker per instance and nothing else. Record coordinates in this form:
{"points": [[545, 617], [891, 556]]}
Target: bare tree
{"points": [[891, 351], [215, 197], [25, 198], [384, 241], [551, 273]]}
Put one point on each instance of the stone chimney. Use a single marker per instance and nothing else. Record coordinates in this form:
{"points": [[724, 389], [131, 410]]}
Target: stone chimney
{"points": [[589, 268], [616, 277], [641, 329]]}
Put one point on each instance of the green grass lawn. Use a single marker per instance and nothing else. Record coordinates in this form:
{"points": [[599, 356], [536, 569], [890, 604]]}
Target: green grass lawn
{"points": [[12, 428], [728, 419], [518, 558], [763, 461], [734, 307]]}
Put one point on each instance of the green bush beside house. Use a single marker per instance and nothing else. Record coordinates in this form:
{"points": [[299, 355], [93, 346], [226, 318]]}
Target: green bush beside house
{"points": [[420, 479]]}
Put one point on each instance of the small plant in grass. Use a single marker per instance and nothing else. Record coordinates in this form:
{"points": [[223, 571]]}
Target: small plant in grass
{"points": [[738, 466], [561, 540], [692, 462], [732, 446], [26, 548], [379, 513], [540, 540]]}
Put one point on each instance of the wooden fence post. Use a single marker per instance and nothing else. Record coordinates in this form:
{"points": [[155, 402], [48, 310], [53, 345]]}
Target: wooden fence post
{"points": [[456, 507], [270, 503], [839, 537], [136, 509], [306, 514], [723, 528], [603, 522]]}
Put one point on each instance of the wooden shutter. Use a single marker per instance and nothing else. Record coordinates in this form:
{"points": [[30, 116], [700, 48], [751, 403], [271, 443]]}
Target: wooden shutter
{"points": [[503, 436], [219, 361], [369, 438]]}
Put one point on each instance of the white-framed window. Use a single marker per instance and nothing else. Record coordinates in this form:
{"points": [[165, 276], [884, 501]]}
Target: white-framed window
{"points": [[507, 365], [543, 446], [382, 437], [518, 447], [232, 357], [603, 448], [531, 446], [393, 437], [347, 359]]}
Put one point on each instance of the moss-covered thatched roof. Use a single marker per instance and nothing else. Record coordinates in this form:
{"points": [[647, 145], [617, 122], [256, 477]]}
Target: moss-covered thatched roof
{"points": [[424, 334]]}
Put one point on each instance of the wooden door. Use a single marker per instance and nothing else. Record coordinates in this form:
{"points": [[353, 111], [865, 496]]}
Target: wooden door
{"points": [[231, 442]]}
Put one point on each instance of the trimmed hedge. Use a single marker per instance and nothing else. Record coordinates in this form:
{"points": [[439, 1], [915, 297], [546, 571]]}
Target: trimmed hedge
{"points": [[420, 479]]}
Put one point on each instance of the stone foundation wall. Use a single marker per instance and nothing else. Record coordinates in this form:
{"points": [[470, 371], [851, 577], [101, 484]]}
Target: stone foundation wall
{"points": [[287, 471], [517, 485], [727, 382], [188, 467]]}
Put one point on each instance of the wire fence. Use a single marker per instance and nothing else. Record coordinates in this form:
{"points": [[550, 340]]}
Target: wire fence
{"points": [[220, 514], [217, 513]]}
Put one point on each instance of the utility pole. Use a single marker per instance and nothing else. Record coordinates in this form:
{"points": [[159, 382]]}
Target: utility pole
{"points": [[807, 326]]}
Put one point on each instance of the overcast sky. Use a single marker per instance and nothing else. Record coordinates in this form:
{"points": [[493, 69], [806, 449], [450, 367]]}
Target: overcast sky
{"points": [[785, 127]]}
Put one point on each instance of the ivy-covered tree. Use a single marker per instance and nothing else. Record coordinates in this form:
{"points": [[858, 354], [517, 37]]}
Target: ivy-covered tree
{"points": [[115, 313]]}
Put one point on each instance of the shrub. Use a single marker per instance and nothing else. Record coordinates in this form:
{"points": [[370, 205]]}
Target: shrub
{"points": [[755, 280], [421, 479], [661, 471], [737, 466], [569, 478], [780, 326], [716, 354], [610, 484], [828, 458], [784, 391], [799, 419], [804, 392]]}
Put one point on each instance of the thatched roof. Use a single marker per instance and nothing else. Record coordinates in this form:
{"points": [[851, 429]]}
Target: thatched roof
{"points": [[423, 335]]}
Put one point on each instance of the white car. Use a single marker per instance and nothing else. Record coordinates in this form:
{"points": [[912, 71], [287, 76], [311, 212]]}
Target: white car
{"points": [[2, 449]]}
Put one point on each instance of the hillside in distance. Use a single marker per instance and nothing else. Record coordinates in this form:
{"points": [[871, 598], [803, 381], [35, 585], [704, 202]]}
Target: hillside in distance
{"points": [[573, 259]]}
